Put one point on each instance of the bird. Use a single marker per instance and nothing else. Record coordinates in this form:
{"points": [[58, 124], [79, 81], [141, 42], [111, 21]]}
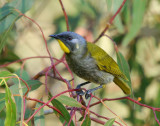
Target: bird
{"points": [[90, 62]]}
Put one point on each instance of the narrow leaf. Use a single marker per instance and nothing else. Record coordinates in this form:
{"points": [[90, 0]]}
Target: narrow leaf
{"points": [[9, 15], [39, 117], [2, 101], [110, 122], [10, 109], [68, 101], [21, 5], [22, 74], [5, 28], [66, 116], [4, 11], [118, 21], [4, 74], [33, 84], [124, 67], [139, 7], [2, 117], [87, 121]]}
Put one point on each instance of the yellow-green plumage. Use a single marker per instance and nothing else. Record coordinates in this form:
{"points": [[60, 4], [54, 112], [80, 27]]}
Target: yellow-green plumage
{"points": [[90, 62], [106, 63], [126, 89]]}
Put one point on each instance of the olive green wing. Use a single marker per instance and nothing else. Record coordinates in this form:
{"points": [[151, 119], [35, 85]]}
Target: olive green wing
{"points": [[104, 61]]}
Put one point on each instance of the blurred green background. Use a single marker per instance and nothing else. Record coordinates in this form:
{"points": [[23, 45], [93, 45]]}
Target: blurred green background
{"points": [[136, 31]]}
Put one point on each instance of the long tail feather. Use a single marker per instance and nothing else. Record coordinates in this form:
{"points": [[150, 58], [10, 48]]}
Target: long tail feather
{"points": [[125, 88]]}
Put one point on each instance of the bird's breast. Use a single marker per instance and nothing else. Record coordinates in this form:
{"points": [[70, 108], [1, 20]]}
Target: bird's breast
{"points": [[86, 68]]}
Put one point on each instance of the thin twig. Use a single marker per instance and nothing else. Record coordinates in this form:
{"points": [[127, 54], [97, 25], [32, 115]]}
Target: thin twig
{"points": [[65, 15], [101, 100], [52, 107], [48, 103], [110, 21]]}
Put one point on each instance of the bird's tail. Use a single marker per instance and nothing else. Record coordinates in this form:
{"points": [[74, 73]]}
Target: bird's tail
{"points": [[125, 88]]}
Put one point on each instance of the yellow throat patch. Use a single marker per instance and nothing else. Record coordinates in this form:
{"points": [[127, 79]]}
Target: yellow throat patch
{"points": [[63, 46]]}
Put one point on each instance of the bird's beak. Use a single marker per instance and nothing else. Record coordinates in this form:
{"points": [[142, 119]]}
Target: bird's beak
{"points": [[61, 43], [54, 36]]}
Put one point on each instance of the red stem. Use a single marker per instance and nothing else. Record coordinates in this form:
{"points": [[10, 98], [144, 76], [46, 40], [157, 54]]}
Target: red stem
{"points": [[41, 33], [156, 117], [20, 60], [65, 15], [48, 103], [127, 97], [72, 114], [110, 21], [104, 117], [52, 107]]}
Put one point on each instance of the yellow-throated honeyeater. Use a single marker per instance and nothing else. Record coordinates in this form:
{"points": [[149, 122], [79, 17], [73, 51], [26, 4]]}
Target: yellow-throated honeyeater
{"points": [[90, 62]]}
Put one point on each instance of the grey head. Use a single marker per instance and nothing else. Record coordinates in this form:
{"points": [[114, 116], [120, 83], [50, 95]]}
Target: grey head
{"points": [[73, 41]]}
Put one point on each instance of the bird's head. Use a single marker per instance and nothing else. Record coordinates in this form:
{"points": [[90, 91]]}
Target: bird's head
{"points": [[70, 42]]}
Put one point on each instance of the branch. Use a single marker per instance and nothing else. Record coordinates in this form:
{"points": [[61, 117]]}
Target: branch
{"points": [[41, 33], [52, 107], [48, 103], [126, 97], [65, 15], [110, 22], [137, 102]]}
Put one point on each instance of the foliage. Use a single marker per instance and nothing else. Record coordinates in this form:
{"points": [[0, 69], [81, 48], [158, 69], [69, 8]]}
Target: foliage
{"points": [[129, 26]]}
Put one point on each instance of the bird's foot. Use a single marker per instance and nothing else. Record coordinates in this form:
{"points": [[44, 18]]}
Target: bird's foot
{"points": [[88, 94], [79, 92]]}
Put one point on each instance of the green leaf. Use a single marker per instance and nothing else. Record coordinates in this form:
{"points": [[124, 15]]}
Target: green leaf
{"points": [[32, 84], [110, 122], [22, 74], [22, 103], [9, 16], [118, 24], [10, 109], [2, 101], [112, 7], [157, 103], [11, 57], [7, 23], [124, 67], [28, 112], [21, 5], [87, 121], [139, 7], [18, 102], [109, 5], [4, 74], [3, 36], [39, 117], [66, 116], [8, 20], [68, 101], [2, 117], [117, 21], [5, 11], [1, 122]]}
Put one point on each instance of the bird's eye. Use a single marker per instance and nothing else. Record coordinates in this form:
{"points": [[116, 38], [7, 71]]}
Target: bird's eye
{"points": [[69, 38]]}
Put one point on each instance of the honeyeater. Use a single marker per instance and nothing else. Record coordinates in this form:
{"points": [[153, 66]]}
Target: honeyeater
{"points": [[90, 62]]}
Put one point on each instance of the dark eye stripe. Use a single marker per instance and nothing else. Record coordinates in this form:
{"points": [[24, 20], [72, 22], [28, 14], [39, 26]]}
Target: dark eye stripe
{"points": [[69, 38]]}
